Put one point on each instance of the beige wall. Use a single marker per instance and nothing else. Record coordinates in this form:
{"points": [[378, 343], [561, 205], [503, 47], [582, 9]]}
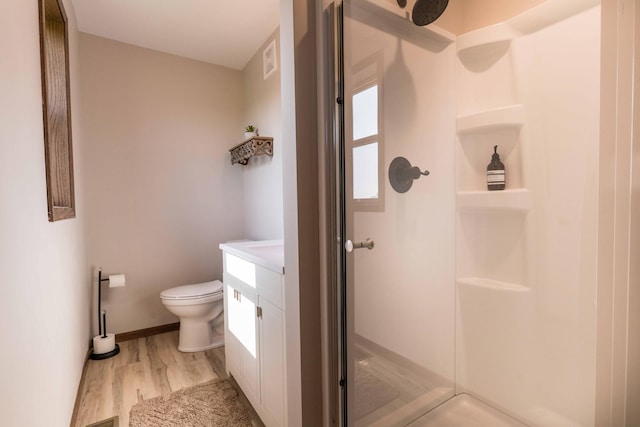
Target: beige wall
{"points": [[451, 18], [263, 175], [300, 195], [462, 16], [161, 191], [478, 14], [633, 357], [44, 286]]}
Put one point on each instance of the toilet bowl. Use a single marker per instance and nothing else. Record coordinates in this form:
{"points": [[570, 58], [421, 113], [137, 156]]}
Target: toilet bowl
{"points": [[200, 309]]}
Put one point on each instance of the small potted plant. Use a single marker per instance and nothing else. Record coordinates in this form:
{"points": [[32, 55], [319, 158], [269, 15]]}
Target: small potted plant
{"points": [[250, 131]]}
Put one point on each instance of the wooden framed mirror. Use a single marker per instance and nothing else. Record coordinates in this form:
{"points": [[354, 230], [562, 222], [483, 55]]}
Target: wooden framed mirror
{"points": [[56, 109]]}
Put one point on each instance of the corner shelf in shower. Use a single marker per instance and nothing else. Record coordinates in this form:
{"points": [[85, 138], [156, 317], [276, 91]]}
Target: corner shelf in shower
{"points": [[491, 284], [506, 200], [512, 116], [477, 43]]}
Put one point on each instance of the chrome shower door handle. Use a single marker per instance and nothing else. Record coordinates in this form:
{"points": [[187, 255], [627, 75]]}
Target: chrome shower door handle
{"points": [[350, 245]]}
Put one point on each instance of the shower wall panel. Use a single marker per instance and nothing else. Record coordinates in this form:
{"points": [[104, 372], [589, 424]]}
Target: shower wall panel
{"points": [[526, 257]]}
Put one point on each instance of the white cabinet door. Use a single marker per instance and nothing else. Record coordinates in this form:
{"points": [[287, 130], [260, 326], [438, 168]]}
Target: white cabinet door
{"points": [[272, 362], [248, 336], [241, 340], [231, 342]]}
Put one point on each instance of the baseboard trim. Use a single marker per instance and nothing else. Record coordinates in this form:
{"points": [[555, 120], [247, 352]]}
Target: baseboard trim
{"points": [[76, 405], [147, 332]]}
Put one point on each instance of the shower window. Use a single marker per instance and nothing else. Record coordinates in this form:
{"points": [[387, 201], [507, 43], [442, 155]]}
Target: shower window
{"points": [[366, 140], [365, 113], [365, 171]]}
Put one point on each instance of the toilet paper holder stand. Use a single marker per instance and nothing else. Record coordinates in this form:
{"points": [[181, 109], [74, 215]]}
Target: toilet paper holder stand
{"points": [[102, 325]]}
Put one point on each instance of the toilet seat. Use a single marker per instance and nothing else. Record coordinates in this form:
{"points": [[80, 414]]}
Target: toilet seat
{"points": [[195, 291]]}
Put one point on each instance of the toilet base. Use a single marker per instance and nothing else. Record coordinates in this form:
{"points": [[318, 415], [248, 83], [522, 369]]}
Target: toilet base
{"points": [[218, 342], [198, 336]]}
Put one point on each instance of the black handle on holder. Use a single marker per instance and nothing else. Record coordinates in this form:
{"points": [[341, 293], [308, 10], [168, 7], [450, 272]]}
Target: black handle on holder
{"points": [[104, 323], [402, 174], [100, 323]]}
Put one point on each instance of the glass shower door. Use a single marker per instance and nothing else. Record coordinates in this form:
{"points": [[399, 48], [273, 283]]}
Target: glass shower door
{"points": [[399, 215]]}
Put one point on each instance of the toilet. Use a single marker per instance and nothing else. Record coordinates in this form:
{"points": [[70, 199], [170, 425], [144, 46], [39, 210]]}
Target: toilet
{"points": [[200, 309]]}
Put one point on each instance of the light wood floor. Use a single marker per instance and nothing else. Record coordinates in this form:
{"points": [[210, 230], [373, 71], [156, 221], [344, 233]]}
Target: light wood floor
{"points": [[145, 368]]}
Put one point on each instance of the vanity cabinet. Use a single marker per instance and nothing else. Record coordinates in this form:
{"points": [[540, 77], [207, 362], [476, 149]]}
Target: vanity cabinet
{"points": [[241, 337], [254, 335]]}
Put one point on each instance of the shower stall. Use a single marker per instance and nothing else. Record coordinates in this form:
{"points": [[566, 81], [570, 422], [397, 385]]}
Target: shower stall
{"points": [[454, 302]]}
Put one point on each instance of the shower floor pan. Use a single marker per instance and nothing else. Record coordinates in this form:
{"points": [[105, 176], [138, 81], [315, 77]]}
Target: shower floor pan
{"points": [[464, 410]]}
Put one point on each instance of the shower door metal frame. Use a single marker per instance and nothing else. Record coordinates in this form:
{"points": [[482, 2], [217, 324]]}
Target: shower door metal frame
{"points": [[332, 162], [341, 222], [341, 218]]}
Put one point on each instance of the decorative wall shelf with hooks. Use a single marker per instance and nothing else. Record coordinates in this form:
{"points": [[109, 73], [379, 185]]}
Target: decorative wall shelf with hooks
{"points": [[254, 146]]}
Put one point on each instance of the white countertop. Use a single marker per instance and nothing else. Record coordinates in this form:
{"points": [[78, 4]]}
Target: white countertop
{"points": [[267, 253]]}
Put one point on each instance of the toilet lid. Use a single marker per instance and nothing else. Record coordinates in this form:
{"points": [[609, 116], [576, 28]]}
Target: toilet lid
{"points": [[198, 290]]}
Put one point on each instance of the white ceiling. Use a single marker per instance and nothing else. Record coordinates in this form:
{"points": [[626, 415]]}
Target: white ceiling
{"points": [[226, 33]]}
